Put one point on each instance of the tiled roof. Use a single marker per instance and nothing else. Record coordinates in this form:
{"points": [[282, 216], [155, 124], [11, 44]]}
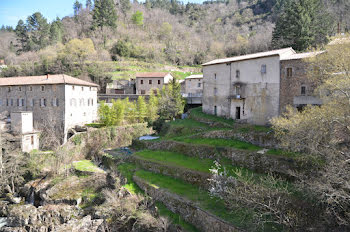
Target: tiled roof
{"points": [[152, 74], [299, 56], [281, 52], [44, 80]]}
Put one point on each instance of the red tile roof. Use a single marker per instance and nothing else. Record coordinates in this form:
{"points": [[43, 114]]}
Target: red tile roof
{"points": [[152, 74], [44, 80]]}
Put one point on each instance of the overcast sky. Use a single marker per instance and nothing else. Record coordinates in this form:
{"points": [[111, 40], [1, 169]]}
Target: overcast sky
{"points": [[13, 10]]}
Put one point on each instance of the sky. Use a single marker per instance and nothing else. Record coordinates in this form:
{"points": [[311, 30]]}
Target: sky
{"points": [[11, 11]]}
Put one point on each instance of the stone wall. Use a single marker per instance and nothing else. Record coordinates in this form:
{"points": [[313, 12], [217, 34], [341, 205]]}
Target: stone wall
{"points": [[191, 176], [203, 220], [263, 163], [291, 86], [261, 139]]}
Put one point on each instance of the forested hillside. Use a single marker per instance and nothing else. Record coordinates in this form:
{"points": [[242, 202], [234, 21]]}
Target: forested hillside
{"points": [[166, 31]]}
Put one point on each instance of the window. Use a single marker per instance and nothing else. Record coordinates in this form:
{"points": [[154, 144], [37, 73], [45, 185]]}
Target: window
{"points": [[42, 88], [150, 82], [92, 102], [155, 92], [82, 88], [32, 102], [8, 89], [215, 110], [143, 92], [303, 90], [55, 102], [81, 102], [7, 102], [73, 102], [88, 101], [20, 88], [289, 72], [215, 91], [215, 76], [238, 74], [263, 69], [158, 82], [141, 82], [11, 102], [73, 87], [90, 88], [199, 85], [30, 88], [20, 102], [32, 140], [238, 90], [43, 102]]}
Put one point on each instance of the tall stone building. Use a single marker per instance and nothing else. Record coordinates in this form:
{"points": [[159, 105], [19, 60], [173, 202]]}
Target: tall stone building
{"points": [[57, 101], [145, 82], [254, 88]]}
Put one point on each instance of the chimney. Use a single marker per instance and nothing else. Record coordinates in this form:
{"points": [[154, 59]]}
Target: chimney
{"points": [[47, 76]]}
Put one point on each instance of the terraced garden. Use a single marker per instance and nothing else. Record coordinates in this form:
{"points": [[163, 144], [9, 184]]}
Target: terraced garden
{"points": [[177, 177]]}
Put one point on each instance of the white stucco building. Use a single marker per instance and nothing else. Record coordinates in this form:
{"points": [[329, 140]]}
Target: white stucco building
{"points": [[246, 88], [60, 101]]}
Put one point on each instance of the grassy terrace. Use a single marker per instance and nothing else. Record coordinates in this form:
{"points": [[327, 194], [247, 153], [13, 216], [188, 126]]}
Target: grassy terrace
{"points": [[197, 114], [177, 159], [241, 218], [86, 166], [220, 143]]}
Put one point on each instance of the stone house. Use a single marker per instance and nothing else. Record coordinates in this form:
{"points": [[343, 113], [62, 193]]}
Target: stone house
{"points": [[296, 89], [22, 126], [121, 87], [249, 88], [193, 89], [60, 102], [194, 85], [145, 82]]}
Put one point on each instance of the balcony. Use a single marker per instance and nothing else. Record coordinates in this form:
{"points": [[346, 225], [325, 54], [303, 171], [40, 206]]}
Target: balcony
{"points": [[238, 91]]}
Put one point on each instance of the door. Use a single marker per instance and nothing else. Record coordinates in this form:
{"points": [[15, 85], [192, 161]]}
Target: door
{"points": [[238, 112]]}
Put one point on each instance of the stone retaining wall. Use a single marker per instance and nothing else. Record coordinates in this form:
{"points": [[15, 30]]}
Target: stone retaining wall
{"points": [[188, 175], [265, 163], [202, 219], [261, 139]]}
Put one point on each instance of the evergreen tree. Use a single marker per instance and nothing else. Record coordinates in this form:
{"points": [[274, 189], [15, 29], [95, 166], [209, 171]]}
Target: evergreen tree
{"points": [[152, 109], [22, 36], [171, 104], [77, 6], [88, 5], [137, 18], [141, 109], [38, 29], [56, 31], [302, 24], [125, 6], [118, 110], [104, 14]]}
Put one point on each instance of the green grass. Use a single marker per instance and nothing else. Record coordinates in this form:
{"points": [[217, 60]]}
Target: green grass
{"points": [[241, 218], [197, 114], [86, 166], [183, 127], [182, 75], [220, 143], [177, 159], [95, 125], [127, 170], [175, 218]]}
